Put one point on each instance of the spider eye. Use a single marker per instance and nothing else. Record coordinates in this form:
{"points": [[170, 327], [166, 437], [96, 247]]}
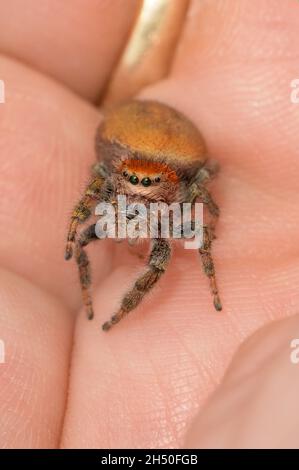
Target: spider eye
{"points": [[146, 181], [125, 174], [158, 179], [134, 179]]}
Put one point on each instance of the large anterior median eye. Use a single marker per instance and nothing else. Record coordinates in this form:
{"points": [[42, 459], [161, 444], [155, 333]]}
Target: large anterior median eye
{"points": [[134, 179], [146, 181]]}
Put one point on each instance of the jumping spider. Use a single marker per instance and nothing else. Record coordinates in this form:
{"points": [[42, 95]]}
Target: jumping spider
{"points": [[148, 152]]}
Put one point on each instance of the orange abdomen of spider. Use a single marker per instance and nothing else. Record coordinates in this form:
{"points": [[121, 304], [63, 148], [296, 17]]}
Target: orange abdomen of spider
{"points": [[150, 136]]}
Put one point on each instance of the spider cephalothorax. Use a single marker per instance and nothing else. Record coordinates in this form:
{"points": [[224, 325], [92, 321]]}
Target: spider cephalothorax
{"points": [[148, 152]]}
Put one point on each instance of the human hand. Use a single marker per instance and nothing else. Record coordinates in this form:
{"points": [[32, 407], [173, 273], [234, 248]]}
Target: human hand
{"points": [[65, 382]]}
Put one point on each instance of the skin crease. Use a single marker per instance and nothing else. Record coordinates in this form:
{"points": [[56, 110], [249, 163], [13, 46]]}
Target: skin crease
{"points": [[143, 383]]}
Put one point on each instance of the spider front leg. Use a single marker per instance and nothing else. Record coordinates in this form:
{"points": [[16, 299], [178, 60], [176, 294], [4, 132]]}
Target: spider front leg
{"points": [[157, 263], [82, 212], [208, 264], [87, 236]]}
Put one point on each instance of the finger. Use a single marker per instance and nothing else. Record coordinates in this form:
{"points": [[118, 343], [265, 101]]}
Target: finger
{"points": [[149, 375], [76, 42], [256, 405], [35, 334], [47, 147]]}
